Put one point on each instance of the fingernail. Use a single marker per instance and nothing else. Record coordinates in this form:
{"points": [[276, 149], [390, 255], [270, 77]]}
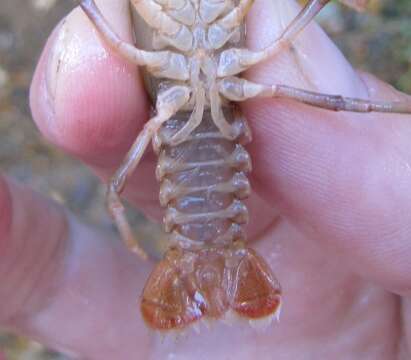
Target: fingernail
{"points": [[284, 12], [55, 60], [75, 42], [273, 17]]}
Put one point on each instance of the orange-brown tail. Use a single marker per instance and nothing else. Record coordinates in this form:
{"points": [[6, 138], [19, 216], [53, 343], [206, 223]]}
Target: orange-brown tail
{"points": [[189, 285]]}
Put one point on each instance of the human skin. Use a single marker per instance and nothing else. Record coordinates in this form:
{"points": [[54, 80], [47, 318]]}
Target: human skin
{"points": [[331, 211]]}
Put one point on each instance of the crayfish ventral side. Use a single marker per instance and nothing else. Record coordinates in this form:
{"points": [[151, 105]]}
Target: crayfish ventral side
{"points": [[192, 65]]}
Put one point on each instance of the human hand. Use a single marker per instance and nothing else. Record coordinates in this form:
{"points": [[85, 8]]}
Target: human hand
{"points": [[330, 212]]}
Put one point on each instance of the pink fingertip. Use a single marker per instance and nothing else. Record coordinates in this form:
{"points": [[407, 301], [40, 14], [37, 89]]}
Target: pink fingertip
{"points": [[99, 110], [84, 98]]}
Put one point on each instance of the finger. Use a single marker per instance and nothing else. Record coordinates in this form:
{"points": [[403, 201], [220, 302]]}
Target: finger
{"points": [[343, 178], [89, 101], [65, 284], [82, 92]]}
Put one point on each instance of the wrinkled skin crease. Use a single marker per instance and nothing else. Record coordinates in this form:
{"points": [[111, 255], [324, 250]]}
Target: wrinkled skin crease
{"points": [[336, 305]]}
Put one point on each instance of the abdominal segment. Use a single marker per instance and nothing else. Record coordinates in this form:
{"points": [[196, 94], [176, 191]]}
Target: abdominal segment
{"points": [[203, 182]]}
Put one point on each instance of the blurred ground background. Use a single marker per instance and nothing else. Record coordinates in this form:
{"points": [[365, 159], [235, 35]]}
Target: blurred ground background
{"points": [[378, 42]]}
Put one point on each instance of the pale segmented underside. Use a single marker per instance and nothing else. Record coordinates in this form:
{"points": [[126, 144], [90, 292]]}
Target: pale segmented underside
{"points": [[192, 58]]}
